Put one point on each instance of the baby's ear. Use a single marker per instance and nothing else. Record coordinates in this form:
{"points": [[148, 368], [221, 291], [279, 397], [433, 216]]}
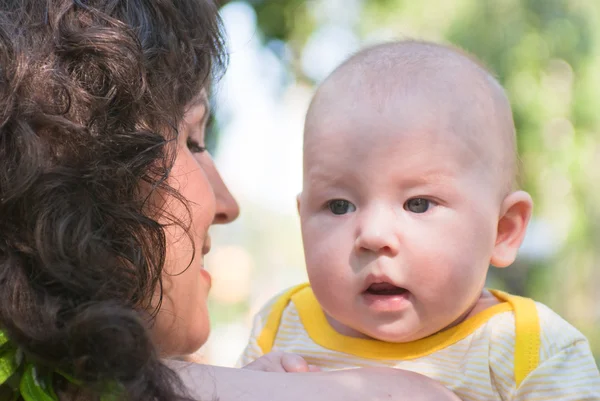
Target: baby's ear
{"points": [[515, 214]]}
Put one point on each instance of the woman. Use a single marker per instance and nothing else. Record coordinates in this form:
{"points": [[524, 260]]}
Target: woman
{"points": [[106, 197]]}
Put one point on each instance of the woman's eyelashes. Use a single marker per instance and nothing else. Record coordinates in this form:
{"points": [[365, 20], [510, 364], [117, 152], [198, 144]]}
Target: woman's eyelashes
{"points": [[196, 131], [194, 146]]}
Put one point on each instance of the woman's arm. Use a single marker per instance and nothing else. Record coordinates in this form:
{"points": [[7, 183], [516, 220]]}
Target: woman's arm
{"points": [[211, 383]]}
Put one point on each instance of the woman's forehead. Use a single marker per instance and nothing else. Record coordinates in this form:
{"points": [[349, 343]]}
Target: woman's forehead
{"points": [[197, 108], [201, 99]]}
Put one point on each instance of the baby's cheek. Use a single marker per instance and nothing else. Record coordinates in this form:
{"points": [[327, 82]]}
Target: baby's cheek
{"points": [[439, 268], [320, 264], [323, 240], [327, 264]]}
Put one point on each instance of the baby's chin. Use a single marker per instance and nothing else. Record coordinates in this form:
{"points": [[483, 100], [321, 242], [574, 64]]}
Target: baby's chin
{"points": [[390, 332], [393, 336], [399, 331]]}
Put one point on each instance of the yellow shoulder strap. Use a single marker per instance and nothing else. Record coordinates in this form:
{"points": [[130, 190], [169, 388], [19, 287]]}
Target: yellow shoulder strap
{"points": [[527, 335], [268, 333]]}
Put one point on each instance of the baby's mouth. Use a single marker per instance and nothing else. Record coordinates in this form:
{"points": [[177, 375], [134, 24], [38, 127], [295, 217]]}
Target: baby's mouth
{"points": [[385, 289]]}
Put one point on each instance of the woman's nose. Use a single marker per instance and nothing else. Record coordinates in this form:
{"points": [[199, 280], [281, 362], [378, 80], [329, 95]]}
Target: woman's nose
{"points": [[227, 208]]}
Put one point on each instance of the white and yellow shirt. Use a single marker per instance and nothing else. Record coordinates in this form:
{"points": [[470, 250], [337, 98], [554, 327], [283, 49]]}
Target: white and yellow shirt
{"points": [[515, 350]]}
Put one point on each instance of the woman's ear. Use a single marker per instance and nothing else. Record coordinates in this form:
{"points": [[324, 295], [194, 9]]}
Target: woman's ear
{"points": [[512, 225], [298, 202]]}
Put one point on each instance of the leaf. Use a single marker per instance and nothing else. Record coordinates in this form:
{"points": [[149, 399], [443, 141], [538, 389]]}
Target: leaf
{"points": [[34, 388], [113, 392], [8, 365], [3, 338]]}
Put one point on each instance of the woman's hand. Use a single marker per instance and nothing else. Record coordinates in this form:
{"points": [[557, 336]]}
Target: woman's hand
{"points": [[278, 361], [372, 384]]}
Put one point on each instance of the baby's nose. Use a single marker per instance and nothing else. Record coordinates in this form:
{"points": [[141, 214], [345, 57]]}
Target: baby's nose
{"points": [[378, 232]]}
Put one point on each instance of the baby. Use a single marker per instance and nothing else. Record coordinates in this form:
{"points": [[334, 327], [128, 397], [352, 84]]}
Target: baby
{"points": [[408, 198]]}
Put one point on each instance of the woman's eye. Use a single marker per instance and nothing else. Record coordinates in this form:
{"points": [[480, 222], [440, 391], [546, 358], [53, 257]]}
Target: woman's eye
{"points": [[340, 206], [194, 146], [417, 205]]}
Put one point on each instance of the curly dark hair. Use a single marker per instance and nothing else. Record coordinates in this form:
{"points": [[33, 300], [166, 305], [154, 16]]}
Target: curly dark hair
{"points": [[91, 94]]}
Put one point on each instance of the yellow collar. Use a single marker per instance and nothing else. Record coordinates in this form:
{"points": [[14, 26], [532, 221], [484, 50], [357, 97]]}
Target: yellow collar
{"points": [[320, 331]]}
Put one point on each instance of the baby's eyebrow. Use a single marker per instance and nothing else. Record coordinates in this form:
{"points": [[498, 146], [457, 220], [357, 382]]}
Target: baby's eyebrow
{"points": [[428, 179], [326, 180]]}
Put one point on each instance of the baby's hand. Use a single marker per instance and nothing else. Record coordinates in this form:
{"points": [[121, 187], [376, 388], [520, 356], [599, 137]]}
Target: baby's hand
{"points": [[281, 362]]}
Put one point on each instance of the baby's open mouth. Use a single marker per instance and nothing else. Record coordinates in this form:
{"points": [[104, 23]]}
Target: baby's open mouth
{"points": [[385, 289]]}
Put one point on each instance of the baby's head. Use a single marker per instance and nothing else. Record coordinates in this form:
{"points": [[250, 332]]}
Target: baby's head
{"points": [[409, 164]]}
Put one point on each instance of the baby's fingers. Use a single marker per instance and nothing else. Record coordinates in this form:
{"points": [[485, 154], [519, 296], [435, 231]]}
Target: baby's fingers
{"points": [[294, 363], [313, 368], [271, 362]]}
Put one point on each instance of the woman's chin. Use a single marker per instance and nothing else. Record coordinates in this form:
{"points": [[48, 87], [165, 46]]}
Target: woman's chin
{"points": [[196, 341], [185, 347], [183, 340]]}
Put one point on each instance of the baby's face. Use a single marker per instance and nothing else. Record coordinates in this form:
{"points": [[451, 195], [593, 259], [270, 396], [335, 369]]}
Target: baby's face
{"points": [[398, 221]]}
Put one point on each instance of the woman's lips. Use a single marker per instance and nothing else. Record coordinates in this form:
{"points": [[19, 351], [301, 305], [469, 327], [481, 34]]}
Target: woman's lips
{"points": [[206, 276], [207, 245], [203, 272]]}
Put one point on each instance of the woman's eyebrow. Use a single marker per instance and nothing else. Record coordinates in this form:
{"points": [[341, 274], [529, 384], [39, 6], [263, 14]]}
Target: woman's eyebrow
{"points": [[204, 102]]}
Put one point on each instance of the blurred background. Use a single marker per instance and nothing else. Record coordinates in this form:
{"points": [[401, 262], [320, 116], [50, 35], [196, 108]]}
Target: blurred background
{"points": [[546, 53]]}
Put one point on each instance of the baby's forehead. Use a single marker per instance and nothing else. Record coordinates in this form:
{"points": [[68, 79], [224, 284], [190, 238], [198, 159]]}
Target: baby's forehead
{"points": [[387, 74], [374, 112], [420, 89], [394, 134]]}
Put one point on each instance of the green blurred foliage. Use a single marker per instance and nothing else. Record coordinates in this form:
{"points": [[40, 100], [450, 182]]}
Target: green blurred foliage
{"points": [[546, 53]]}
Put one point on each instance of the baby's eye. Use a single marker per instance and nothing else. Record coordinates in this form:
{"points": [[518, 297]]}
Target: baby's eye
{"points": [[194, 146], [340, 206], [417, 205]]}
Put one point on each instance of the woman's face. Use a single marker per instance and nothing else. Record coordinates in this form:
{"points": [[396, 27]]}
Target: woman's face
{"points": [[182, 324]]}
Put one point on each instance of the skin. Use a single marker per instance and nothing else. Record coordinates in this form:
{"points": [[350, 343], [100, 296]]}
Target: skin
{"points": [[278, 361], [374, 384], [183, 323], [409, 154]]}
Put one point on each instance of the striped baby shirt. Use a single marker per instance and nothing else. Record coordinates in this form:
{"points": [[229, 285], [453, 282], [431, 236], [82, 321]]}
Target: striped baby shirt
{"points": [[516, 350]]}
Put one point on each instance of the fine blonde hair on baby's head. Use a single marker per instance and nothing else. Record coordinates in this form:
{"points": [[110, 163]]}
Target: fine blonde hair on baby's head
{"points": [[449, 79]]}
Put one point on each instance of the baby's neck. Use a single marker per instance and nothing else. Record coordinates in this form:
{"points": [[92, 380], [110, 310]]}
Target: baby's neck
{"points": [[345, 330], [486, 300]]}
